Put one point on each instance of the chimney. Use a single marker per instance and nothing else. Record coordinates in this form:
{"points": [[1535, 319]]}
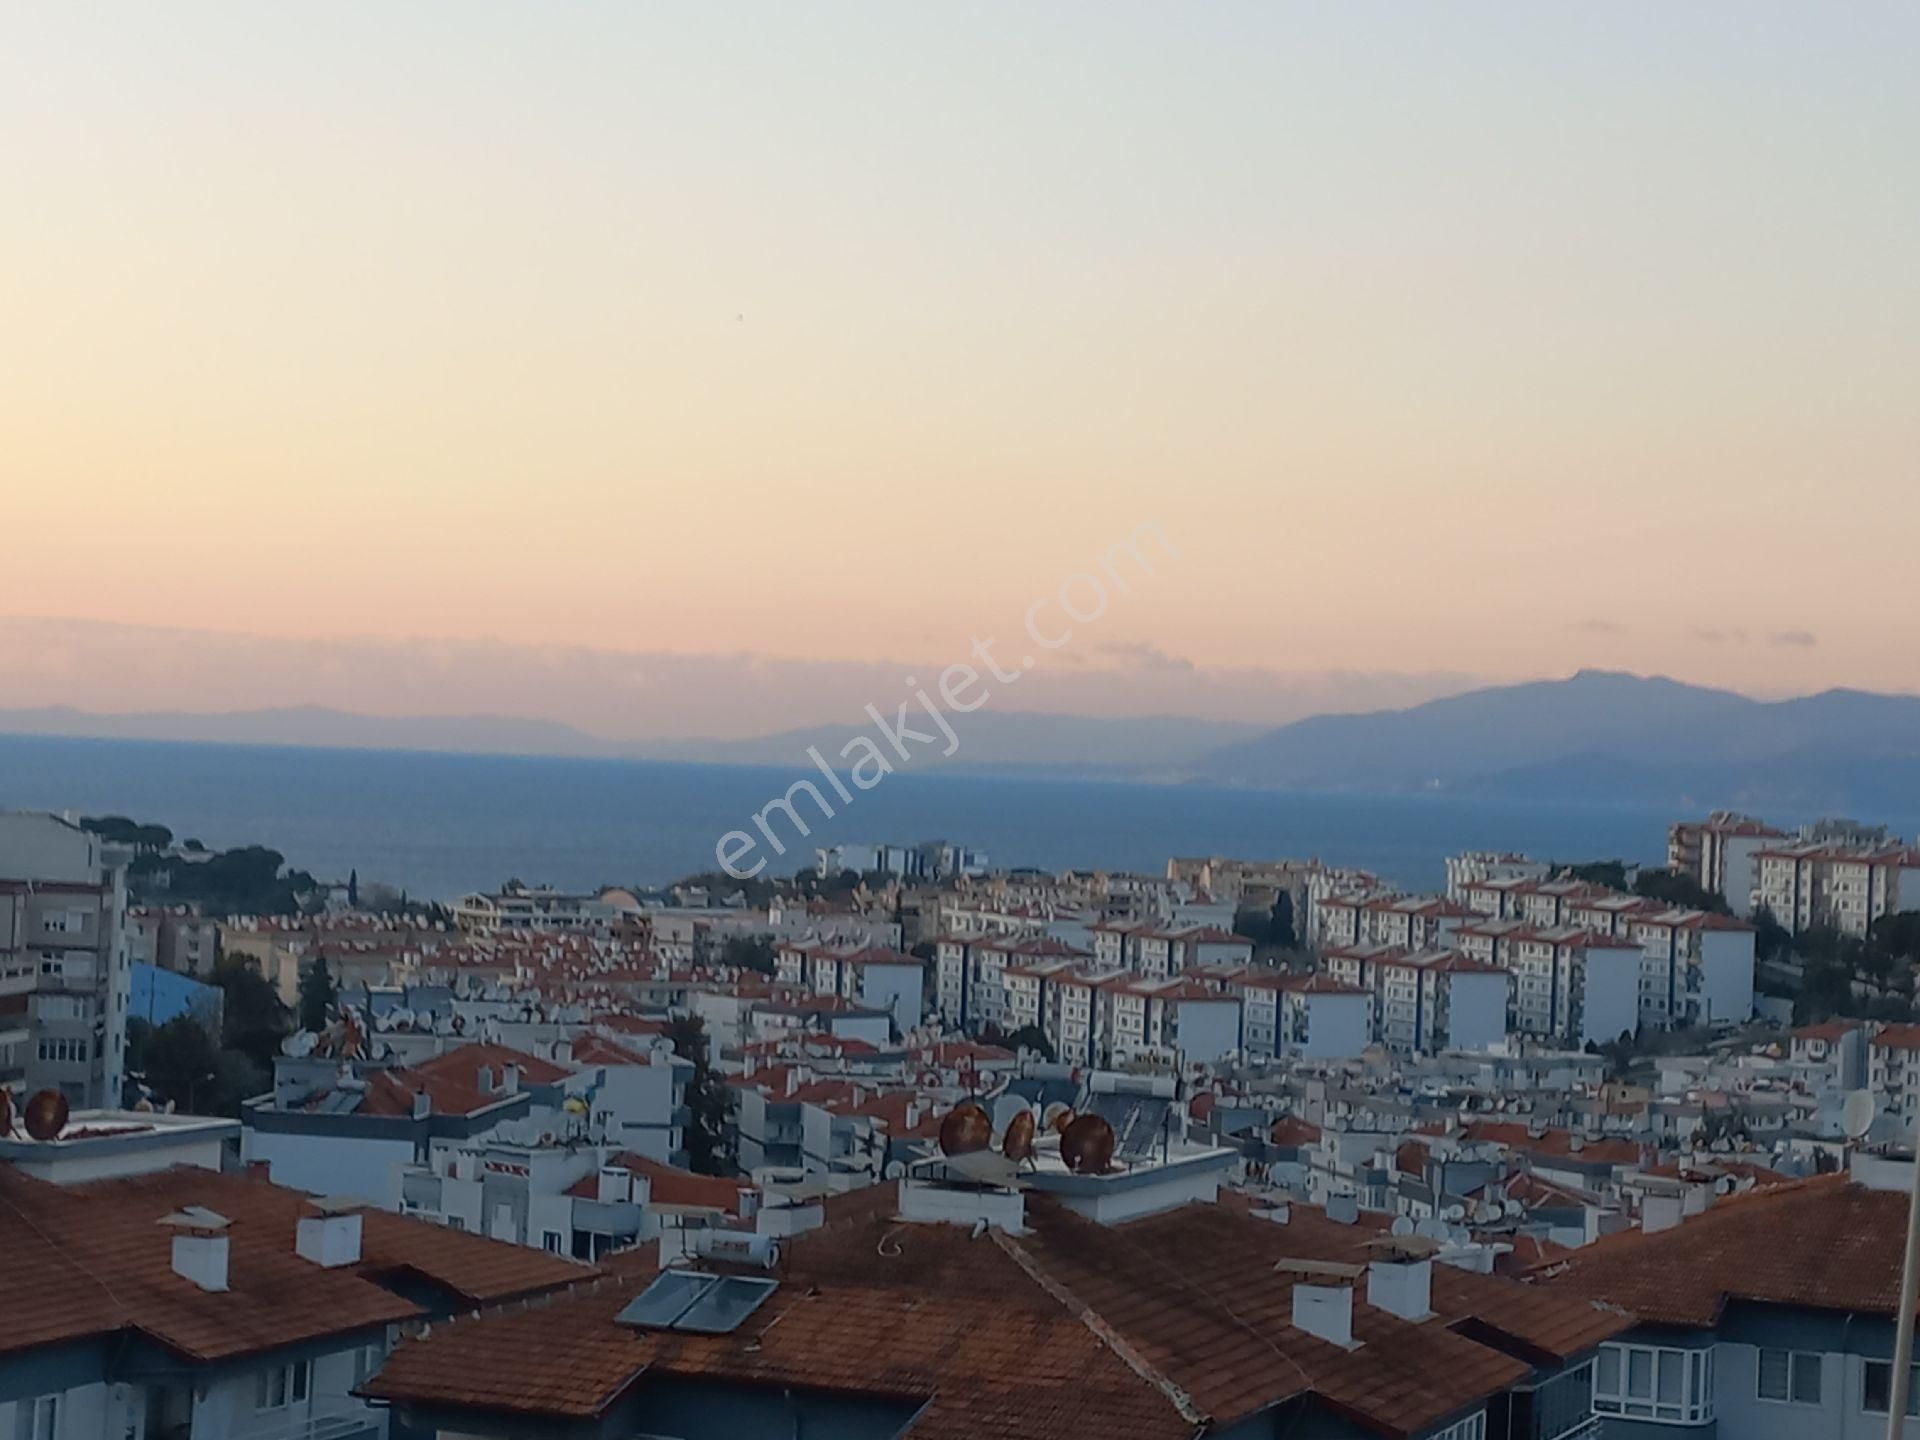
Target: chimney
{"points": [[422, 1104], [484, 1081], [616, 1185], [329, 1233], [510, 1080], [199, 1246], [1323, 1299], [1400, 1276], [1343, 1209]]}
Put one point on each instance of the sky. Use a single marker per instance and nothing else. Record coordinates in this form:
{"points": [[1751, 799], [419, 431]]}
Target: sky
{"points": [[1462, 340]]}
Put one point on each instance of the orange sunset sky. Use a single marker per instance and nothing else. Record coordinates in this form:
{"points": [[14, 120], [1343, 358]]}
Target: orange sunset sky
{"points": [[1464, 342]]}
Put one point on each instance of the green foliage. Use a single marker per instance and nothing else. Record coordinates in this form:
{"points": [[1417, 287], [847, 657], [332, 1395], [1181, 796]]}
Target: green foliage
{"points": [[1028, 1037], [1672, 888], [353, 889], [710, 1135], [318, 996], [749, 952], [119, 830], [1610, 873], [1269, 928], [255, 1019]]}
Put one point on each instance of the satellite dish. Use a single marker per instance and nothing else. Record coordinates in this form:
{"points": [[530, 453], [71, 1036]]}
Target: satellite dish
{"points": [[1018, 1142], [1454, 1212], [897, 1170], [966, 1128], [1058, 1116], [1856, 1115], [1087, 1145], [1431, 1228], [47, 1115], [1402, 1227]]}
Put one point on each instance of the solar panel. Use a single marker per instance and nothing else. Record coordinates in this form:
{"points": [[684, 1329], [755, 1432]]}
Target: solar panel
{"points": [[722, 1307], [690, 1300], [1139, 1122], [669, 1297]]}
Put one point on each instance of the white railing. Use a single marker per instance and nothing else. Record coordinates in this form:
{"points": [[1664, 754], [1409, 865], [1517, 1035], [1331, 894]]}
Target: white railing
{"points": [[335, 1425]]}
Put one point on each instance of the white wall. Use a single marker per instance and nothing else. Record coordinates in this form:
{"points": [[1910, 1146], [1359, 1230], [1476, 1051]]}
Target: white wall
{"points": [[331, 1165], [1209, 1030], [1611, 1003], [1726, 963], [1339, 1027], [1477, 1011], [895, 988]]}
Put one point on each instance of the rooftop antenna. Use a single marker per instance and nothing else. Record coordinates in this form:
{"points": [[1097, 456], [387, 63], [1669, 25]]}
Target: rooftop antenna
{"points": [[1856, 1114]]}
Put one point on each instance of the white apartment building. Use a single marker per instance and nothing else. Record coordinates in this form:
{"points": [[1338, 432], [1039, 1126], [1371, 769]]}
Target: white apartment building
{"points": [[1475, 867], [65, 968], [1720, 855], [1813, 885]]}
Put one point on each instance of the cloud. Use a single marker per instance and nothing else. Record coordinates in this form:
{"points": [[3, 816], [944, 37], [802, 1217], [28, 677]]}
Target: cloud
{"points": [[1596, 626], [1803, 639], [1720, 637], [1141, 656]]}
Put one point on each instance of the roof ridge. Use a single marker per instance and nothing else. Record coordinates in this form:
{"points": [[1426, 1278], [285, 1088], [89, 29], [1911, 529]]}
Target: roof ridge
{"points": [[1100, 1329]]}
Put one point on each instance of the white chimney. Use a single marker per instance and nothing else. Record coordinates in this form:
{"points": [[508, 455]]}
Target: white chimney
{"points": [[329, 1235], [199, 1246], [1659, 1212], [1323, 1299], [1343, 1209], [1400, 1277], [510, 1080], [616, 1185], [422, 1104], [483, 1082]]}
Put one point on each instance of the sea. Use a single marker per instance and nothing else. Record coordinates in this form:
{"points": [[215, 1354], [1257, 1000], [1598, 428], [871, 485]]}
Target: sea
{"points": [[441, 825]]}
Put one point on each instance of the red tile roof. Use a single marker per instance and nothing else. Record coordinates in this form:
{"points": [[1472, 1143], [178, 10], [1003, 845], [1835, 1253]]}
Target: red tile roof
{"points": [[670, 1185], [1162, 1327], [96, 1260], [1824, 1243]]}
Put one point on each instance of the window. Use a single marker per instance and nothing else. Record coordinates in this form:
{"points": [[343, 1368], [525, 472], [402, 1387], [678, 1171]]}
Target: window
{"points": [[280, 1387], [550, 1241], [366, 1362], [1876, 1388], [1474, 1427], [1655, 1382], [1791, 1377], [37, 1419]]}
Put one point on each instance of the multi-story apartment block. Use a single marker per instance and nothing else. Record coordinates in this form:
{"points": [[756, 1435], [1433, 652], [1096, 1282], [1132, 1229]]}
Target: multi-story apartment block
{"points": [[1893, 1070], [1816, 885], [1568, 984], [1719, 853], [1476, 867], [1425, 1001], [65, 968]]}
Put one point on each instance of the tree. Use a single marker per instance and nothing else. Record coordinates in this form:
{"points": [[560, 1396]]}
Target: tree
{"points": [[710, 1135], [1271, 928], [182, 1065], [1610, 873], [1029, 1037], [353, 889], [256, 1020], [318, 995], [1673, 888], [749, 952]]}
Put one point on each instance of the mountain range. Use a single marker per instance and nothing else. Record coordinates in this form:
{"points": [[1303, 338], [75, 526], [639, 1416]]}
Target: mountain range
{"points": [[1596, 736]]}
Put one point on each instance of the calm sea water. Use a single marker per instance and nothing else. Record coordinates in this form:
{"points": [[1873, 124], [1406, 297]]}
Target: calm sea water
{"points": [[440, 825]]}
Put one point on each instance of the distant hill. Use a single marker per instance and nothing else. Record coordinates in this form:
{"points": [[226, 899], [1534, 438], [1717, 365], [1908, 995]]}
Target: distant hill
{"points": [[1157, 746], [1152, 746], [316, 725], [1604, 735]]}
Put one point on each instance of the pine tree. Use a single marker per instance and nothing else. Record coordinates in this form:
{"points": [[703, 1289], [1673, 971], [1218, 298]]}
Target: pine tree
{"points": [[317, 996]]}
